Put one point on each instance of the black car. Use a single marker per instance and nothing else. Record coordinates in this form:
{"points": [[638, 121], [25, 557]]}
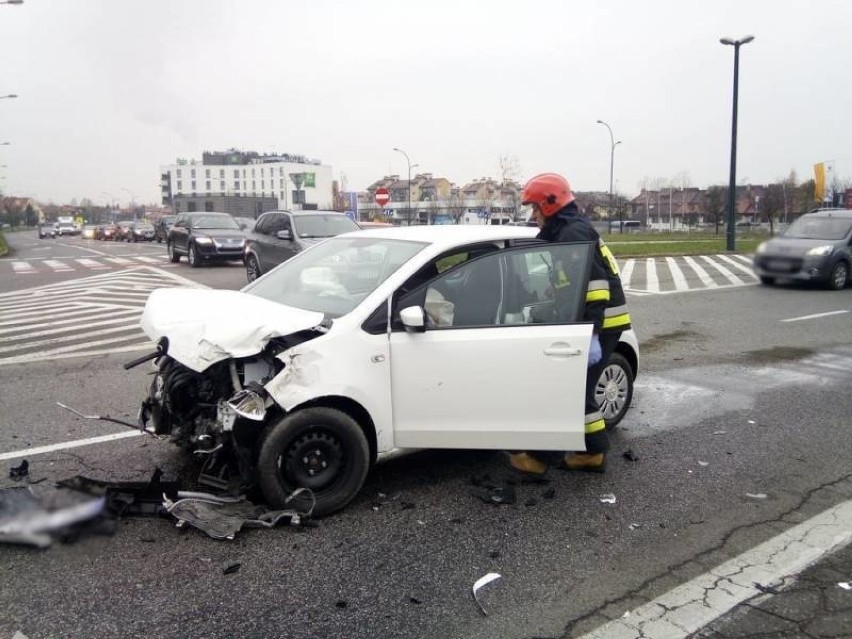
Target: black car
{"points": [[122, 231], [162, 226], [205, 237], [279, 235], [140, 232]]}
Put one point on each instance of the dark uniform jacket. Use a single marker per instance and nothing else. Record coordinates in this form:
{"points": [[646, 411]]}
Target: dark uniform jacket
{"points": [[605, 305]]}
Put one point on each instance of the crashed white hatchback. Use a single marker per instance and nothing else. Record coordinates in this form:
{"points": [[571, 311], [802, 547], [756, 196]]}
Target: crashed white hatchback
{"points": [[374, 342]]}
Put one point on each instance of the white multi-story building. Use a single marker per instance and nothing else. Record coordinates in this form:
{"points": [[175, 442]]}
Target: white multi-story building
{"points": [[247, 183]]}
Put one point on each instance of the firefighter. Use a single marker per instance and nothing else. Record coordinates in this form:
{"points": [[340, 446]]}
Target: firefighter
{"points": [[557, 215]]}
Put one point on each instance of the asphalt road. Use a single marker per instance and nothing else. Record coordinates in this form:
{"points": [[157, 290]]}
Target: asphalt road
{"points": [[733, 400]]}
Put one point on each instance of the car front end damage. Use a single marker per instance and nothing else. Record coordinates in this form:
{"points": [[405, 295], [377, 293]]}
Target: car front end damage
{"points": [[216, 352]]}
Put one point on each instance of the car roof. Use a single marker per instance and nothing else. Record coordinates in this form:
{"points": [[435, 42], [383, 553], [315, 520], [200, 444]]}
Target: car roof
{"points": [[450, 235], [306, 213], [208, 213]]}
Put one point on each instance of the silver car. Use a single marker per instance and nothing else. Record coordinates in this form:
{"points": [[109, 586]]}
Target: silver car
{"points": [[815, 248]]}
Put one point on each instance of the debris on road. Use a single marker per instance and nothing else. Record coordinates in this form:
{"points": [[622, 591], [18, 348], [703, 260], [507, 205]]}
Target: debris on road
{"points": [[19, 472], [481, 583], [756, 495], [128, 498], [26, 519], [846, 585], [629, 455], [496, 495], [703, 463], [608, 498], [230, 567]]}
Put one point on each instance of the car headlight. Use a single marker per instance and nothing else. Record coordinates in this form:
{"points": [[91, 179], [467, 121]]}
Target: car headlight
{"points": [[761, 248], [821, 250], [204, 240]]}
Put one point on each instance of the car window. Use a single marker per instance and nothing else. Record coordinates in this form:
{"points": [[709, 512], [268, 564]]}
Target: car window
{"points": [[334, 276], [277, 222], [309, 226], [528, 285], [819, 228], [215, 222]]}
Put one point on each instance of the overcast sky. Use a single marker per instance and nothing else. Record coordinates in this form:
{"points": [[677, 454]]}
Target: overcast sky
{"points": [[111, 90]]}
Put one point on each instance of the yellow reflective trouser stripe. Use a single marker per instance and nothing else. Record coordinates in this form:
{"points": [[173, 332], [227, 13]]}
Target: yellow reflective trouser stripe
{"points": [[597, 424], [618, 320], [597, 296]]}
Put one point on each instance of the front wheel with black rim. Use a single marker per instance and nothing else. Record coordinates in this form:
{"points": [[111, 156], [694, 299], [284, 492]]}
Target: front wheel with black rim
{"points": [[252, 268], [839, 276], [174, 256], [614, 390], [193, 258], [321, 449]]}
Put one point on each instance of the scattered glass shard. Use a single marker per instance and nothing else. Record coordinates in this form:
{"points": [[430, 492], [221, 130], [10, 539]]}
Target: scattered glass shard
{"points": [[480, 583]]}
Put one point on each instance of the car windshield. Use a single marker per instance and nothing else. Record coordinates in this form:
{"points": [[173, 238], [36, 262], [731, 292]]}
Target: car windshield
{"points": [[323, 225], [336, 275], [819, 228], [215, 222]]}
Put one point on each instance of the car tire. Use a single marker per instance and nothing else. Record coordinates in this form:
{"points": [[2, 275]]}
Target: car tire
{"points": [[192, 257], [252, 268], [322, 449], [839, 276], [174, 256], [767, 281], [614, 390]]}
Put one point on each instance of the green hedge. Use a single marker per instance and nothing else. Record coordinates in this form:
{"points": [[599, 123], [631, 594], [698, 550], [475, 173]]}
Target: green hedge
{"points": [[3, 247]]}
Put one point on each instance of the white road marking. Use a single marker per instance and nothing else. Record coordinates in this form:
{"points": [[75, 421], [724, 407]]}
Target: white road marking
{"points": [[151, 260], [58, 266], [678, 278], [739, 265], [627, 273], [118, 260], [23, 268], [705, 278], [733, 279], [52, 448], [652, 283], [92, 264], [815, 316], [696, 603]]}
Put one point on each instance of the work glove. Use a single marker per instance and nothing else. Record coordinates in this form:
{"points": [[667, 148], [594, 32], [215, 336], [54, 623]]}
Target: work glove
{"points": [[595, 352]]}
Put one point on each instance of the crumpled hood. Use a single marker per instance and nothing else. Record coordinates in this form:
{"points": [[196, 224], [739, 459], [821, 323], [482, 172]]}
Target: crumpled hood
{"points": [[207, 326]]}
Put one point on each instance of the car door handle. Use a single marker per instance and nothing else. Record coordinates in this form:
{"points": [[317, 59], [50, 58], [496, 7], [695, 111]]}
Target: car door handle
{"points": [[562, 350]]}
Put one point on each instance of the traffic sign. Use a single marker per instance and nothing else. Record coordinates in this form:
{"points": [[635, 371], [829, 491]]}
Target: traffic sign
{"points": [[388, 212], [382, 196]]}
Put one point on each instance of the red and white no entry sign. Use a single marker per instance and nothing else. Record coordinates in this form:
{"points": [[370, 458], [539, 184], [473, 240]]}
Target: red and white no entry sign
{"points": [[382, 196]]}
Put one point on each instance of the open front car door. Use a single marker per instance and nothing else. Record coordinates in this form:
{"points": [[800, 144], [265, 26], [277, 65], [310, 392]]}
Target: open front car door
{"points": [[491, 353]]}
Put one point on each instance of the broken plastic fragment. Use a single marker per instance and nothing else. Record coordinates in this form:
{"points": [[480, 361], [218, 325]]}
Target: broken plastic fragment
{"points": [[481, 583], [846, 585], [720, 432], [751, 421], [19, 472], [634, 526], [230, 567], [703, 463], [629, 455], [757, 495], [608, 498]]}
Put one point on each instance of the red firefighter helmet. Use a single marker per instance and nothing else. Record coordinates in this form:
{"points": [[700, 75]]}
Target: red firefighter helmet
{"points": [[549, 191]]}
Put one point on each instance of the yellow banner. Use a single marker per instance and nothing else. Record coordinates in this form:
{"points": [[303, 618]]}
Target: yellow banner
{"points": [[819, 181]]}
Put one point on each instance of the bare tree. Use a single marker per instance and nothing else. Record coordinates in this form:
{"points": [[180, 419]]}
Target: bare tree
{"points": [[772, 203], [714, 205], [455, 205]]}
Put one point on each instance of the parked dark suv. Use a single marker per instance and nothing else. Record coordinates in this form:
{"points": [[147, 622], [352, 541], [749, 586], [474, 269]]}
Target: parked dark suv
{"points": [[816, 248], [205, 237], [279, 235]]}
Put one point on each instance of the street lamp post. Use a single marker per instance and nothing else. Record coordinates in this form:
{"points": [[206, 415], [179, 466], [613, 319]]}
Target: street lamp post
{"points": [[613, 144], [408, 183], [11, 95], [732, 183]]}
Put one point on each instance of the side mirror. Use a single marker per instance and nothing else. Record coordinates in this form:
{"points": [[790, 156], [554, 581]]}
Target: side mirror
{"points": [[413, 319], [284, 234]]}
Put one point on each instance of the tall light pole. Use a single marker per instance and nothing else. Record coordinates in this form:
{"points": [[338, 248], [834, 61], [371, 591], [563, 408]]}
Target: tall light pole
{"points": [[409, 182], [732, 183], [12, 2], [11, 95], [613, 144]]}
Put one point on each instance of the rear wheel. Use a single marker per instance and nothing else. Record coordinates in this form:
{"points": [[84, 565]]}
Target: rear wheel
{"points": [[839, 276], [322, 449], [252, 268], [767, 281], [193, 257], [614, 390], [174, 256]]}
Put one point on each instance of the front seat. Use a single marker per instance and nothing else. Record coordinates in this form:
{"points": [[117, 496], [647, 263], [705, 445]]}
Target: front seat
{"points": [[479, 298]]}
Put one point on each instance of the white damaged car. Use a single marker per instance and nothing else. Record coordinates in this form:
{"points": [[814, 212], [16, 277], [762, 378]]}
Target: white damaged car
{"points": [[375, 342]]}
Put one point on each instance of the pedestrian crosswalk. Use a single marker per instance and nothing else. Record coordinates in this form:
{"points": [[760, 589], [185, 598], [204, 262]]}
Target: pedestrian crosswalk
{"points": [[93, 315], [662, 275], [65, 265]]}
